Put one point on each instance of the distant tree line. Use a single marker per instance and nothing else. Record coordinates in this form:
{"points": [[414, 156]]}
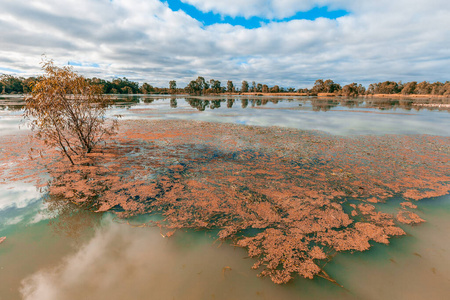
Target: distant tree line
{"points": [[386, 87], [18, 85], [200, 86]]}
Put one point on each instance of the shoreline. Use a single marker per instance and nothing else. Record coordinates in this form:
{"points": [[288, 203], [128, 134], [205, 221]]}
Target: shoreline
{"points": [[287, 94], [326, 95]]}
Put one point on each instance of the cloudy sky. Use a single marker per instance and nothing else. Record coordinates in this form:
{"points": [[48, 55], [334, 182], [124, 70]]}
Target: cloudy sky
{"points": [[285, 42]]}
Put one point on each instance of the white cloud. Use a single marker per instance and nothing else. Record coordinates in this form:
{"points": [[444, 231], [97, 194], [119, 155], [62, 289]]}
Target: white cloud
{"points": [[147, 41]]}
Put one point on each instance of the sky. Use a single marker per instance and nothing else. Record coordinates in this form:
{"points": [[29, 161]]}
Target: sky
{"points": [[286, 42]]}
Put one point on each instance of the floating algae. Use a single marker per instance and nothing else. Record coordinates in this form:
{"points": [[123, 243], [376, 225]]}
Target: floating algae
{"points": [[291, 198]]}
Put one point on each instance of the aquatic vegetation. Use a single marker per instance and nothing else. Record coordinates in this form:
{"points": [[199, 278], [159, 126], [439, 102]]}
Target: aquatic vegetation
{"points": [[292, 198]]}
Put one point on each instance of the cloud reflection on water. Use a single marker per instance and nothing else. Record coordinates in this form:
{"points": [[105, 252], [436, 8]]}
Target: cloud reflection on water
{"points": [[338, 121], [18, 195], [122, 262]]}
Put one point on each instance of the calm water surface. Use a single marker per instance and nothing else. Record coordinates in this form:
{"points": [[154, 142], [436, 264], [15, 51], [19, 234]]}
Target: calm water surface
{"points": [[73, 254]]}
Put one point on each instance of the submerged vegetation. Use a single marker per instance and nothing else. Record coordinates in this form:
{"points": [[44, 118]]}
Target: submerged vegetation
{"points": [[292, 198]]}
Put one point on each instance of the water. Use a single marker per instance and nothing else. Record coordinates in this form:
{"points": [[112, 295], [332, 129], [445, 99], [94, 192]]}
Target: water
{"points": [[82, 255], [335, 116], [340, 116], [413, 267]]}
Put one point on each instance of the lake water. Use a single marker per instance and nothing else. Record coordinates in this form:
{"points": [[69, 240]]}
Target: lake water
{"points": [[75, 254]]}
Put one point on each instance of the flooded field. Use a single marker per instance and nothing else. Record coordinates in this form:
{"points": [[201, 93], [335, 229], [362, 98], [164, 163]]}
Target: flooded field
{"points": [[322, 198]]}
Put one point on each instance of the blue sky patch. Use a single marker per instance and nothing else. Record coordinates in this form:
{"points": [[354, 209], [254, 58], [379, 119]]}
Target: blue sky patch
{"points": [[10, 70], [79, 64], [73, 63], [211, 18]]}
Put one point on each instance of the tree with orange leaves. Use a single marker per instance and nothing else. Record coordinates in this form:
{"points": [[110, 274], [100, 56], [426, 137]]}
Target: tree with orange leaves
{"points": [[67, 112]]}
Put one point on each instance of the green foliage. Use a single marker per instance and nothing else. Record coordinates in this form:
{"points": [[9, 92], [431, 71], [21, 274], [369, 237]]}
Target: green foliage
{"points": [[11, 84], [327, 86], [18, 85], [275, 89], [173, 86], [409, 88], [244, 87], [230, 86], [387, 87], [353, 89]]}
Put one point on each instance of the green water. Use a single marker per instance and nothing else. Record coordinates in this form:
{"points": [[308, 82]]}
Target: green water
{"points": [[416, 266], [118, 261]]}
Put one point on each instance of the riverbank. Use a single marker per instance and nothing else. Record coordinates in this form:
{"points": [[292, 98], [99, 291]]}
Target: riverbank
{"points": [[327, 95], [445, 99]]}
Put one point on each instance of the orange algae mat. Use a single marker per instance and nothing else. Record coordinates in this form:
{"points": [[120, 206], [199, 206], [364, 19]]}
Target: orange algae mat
{"points": [[292, 198]]}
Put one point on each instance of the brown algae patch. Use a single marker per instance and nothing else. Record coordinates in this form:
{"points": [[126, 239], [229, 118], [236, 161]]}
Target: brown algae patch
{"points": [[292, 198], [407, 217]]}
